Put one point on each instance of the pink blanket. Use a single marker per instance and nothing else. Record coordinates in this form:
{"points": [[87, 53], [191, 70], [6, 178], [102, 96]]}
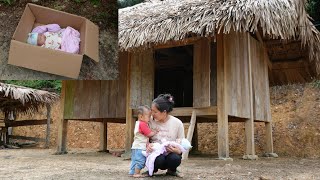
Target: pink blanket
{"points": [[157, 151], [70, 37]]}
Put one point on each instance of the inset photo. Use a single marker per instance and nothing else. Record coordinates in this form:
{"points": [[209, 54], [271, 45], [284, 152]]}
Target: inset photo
{"points": [[59, 39]]}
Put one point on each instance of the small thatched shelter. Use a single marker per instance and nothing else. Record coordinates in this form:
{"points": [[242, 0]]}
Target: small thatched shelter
{"points": [[216, 57], [16, 100]]}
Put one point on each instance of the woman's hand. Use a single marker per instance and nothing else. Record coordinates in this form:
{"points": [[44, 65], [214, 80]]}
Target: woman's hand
{"points": [[173, 149], [149, 148]]}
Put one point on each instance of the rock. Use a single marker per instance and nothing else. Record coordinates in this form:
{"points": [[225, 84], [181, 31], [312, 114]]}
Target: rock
{"points": [[263, 177]]}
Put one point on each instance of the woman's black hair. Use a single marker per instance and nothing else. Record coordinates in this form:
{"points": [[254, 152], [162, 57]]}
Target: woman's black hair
{"points": [[164, 102]]}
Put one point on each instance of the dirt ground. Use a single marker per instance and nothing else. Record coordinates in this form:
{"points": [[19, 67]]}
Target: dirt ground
{"points": [[104, 15], [87, 164]]}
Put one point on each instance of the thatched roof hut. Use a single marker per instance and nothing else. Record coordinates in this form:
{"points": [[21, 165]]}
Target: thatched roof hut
{"points": [[156, 22], [23, 99]]}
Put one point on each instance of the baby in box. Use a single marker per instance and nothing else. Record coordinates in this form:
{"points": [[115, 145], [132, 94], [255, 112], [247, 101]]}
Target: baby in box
{"points": [[53, 37]]}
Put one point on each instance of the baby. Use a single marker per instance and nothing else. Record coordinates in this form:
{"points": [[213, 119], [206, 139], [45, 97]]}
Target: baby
{"points": [[51, 40], [183, 144], [142, 132], [53, 37]]}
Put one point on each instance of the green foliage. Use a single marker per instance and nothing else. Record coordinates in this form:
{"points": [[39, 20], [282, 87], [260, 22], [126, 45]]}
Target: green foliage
{"points": [[38, 84], [316, 83], [127, 3], [7, 1], [313, 9], [95, 2]]}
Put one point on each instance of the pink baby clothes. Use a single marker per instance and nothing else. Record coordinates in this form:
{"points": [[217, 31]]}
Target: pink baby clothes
{"points": [[70, 37], [161, 150]]}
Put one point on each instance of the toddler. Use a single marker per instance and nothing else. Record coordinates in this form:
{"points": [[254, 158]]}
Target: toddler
{"points": [[142, 132]]}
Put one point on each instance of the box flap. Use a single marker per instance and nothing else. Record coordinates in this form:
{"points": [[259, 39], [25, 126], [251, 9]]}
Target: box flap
{"points": [[25, 25], [91, 47], [45, 60]]}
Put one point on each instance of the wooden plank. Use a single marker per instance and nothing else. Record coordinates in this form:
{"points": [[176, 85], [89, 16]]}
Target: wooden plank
{"points": [[26, 123], [103, 136], [87, 99], [235, 45], [201, 73], [261, 96], [93, 98], [28, 138], [249, 123], [222, 135], [113, 90], [135, 79], [48, 126], [187, 111], [142, 78], [147, 78], [190, 132], [123, 64], [67, 97], [213, 74], [184, 42], [104, 99]]}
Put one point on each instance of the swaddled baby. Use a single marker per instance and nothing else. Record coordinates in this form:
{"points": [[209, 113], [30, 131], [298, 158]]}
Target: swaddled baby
{"points": [[51, 40], [183, 144], [53, 37]]}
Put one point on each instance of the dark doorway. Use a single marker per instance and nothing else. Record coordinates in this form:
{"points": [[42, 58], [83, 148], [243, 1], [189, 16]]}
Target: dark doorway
{"points": [[174, 74]]}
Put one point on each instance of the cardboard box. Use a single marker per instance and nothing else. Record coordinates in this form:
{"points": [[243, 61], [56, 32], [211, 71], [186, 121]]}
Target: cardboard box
{"points": [[48, 60]]}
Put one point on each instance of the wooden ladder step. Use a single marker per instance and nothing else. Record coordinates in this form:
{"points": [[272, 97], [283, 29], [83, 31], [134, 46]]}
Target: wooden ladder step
{"points": [[190, 132]]}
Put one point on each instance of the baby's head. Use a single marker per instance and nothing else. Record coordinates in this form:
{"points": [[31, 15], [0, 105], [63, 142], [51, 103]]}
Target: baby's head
{"points": [[144, 113], [36, 39], [184, 143]]}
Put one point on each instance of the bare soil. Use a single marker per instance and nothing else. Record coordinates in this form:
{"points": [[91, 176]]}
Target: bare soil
{"points": [[104, 15], [87, 164]]}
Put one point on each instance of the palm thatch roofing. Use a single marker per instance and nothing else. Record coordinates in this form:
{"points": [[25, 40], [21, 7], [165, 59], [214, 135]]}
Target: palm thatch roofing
{"points": [[24, 100], [157, 22]]}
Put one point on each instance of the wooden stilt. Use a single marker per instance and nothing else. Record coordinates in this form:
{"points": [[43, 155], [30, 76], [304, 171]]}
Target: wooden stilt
{"points": [[222, 116], [103, 136], [62, 137], [249, 123], [269, 141], [48, 126], [190, 132]]}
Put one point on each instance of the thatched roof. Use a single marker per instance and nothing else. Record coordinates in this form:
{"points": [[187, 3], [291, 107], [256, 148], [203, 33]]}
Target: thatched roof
{"points": [[156, 22], [24, 100]]}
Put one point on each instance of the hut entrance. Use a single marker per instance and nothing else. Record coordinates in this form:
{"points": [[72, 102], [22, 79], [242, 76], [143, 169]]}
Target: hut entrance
{"points": [[174, 74]]}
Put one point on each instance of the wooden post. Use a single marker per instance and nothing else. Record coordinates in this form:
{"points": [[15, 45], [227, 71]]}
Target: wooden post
{"points": [[130, 123], [222, 116], [6, 135], [48, 126], [190, 132], [62, 136], [103, 136], [269, 141], [194, 142], [249, 123]]}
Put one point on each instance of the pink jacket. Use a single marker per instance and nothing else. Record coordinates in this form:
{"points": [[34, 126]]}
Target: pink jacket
{"points": [[70, 37]]}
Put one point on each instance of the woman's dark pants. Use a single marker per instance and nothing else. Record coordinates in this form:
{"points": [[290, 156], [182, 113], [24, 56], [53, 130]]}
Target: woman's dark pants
{"points": [[170, 162]]}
